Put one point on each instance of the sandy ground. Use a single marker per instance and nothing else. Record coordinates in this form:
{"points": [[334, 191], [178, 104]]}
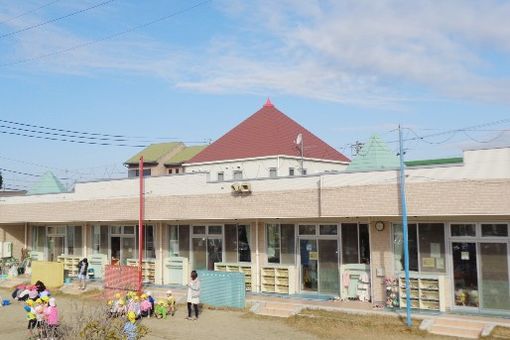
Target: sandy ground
{"points": [[213, 324], [228, 325]]}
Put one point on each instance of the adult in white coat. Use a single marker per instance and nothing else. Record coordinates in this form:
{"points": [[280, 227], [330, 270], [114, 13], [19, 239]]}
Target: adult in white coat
{"points": [[193, 297]]}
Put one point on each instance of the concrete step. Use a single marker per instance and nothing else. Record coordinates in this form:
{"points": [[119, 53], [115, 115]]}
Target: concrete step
{"points": [[463, 323], [281, 313], [456, 331]]}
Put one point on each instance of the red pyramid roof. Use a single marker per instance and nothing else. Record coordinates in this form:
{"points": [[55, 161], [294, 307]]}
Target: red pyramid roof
{"points": [[268, 132]]}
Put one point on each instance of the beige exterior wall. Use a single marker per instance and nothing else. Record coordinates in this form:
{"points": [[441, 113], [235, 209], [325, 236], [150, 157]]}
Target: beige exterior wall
{"points": [[14, 233]]}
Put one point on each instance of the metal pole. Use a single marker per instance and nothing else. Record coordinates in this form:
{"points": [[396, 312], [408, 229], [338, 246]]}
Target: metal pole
{"points": [[404, 226], [302, 155], [140, 226]]}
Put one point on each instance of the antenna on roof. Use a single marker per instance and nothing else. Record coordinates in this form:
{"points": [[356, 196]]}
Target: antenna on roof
{"points": [[300, 145]]}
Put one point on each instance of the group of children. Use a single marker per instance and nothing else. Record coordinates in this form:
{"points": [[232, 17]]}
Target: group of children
{"points": [[142, 305], [42, 316]]}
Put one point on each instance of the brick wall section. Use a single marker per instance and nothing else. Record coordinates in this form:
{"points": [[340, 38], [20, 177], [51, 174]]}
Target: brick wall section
{"points": [[424, 199], [16, 234], [381, 257]]}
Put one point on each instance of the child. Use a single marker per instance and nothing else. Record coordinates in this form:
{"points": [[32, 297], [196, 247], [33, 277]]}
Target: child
{"points": [[193, 297], [83, 267], [145, 306], [39, 313], [151, 300], [134, 306], [161, 310], [121, 308], [130, 327], [170, 302], [51, 314], [32, 321]]}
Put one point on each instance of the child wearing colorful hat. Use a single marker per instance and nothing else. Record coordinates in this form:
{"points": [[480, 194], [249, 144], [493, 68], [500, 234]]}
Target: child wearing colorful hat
{"points": [[130, 326]]}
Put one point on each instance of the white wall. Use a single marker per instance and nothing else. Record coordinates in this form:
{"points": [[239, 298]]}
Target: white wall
{"points": [[259, 167]]}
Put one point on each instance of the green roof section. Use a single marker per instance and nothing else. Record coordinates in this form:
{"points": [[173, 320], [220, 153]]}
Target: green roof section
{"points": [[438, 161], [375, 155], [185, 155], [153, 153], [48, 183]]}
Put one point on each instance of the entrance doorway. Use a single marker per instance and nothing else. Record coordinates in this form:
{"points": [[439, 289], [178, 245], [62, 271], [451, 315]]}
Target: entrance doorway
{"points": [[122, 244], [56, 247], [206, 246], [319, 263], [480, 267]]}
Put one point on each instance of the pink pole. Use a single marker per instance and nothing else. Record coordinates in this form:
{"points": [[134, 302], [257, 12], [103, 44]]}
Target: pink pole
{"points": [[140, 227]]}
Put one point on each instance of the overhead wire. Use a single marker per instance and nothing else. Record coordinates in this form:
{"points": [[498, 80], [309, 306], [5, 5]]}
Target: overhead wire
{"points": [[55, 19], [28, 12], [107, 37]]}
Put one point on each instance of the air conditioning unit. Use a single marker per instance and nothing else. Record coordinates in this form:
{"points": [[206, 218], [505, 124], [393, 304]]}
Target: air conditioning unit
{"points": [[236, 187], [6, 249]]}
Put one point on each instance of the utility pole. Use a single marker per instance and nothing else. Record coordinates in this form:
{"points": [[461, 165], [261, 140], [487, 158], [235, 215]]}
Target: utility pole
{"points": [[404, 226], [140, 227]]}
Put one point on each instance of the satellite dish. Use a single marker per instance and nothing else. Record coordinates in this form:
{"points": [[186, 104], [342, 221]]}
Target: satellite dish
{"points": [[299, 139]]}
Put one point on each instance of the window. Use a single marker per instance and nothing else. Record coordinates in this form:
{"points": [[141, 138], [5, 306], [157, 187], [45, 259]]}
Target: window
{"points": [[173, 240], [132, 173], [198, 230], [307, 229], [221, 176], [238, 175], [170, 171], [426, 247], [494, 230], [99, 239], [355, 243], [146, 172], [74, 240], [328, 229], [304, 172], [272, 172], [39, 238], [148, 240], [291, 171], [115, 229], [280, 243], [273, 243], [129, 230], [214, 230], [237, 243], [463, 230]]}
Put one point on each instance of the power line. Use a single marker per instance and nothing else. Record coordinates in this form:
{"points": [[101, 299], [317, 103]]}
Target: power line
{"points": [[28, 12], [19, 172], [56, 19], [80, 132], [108, 37], [72, 140]]}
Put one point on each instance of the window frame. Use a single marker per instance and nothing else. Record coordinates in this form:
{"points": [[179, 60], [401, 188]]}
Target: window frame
{"points": [[237, 172], [220, 174]]}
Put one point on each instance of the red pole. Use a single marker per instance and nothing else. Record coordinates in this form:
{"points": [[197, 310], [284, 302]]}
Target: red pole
{"points": [[140, 226]]}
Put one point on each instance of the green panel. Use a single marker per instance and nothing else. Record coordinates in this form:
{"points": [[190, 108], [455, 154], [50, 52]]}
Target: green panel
{"points": [[219, 289], [439, 161], [153, 152]]}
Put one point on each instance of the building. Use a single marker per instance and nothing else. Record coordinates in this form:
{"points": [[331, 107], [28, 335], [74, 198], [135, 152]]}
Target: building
{"points": [[336, 233], [162, 159], [267, 144]]}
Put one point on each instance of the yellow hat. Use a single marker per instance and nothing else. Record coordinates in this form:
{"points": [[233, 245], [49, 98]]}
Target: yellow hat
{"points": [[39, 301], [117, 295], [161, 302], [45, 298], [131, 317], [136, 298], [30, 302], [110, 302], [121, 302], [143, 297]]}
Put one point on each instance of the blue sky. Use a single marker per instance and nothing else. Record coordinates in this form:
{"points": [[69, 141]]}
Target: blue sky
{"points": [[343, 69]]}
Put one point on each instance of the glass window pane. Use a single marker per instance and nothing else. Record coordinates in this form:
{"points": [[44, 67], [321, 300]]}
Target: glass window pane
{"points": [[184, 241], [398, 241], [129, 229], [78, 245], [432, 247], [70, 240], [364, 244], [288, 244], [214, 230], [498, 230], [231, 242], [494, 275], [41, 239], [463, 230], [116, 229], [307, 230], [243, 233], [198, 230], [150, 249], [273, 243], [199, 253], [173, 240], [328, 229], [350, 243], [104, 240]]}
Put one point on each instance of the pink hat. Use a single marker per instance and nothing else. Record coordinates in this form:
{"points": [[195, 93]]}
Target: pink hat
{"points": [[52, 302]]}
